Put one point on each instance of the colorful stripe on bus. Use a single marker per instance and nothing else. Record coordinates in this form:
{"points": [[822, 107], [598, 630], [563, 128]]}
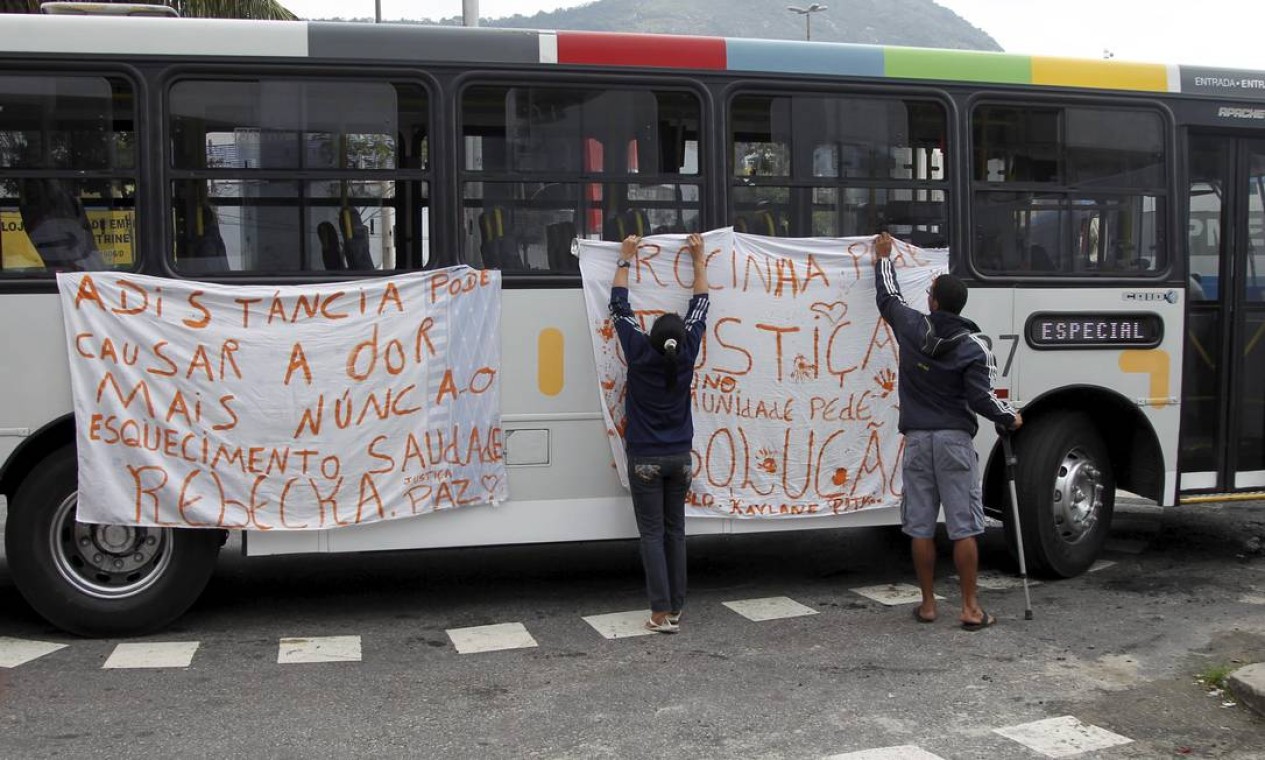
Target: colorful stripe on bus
{"points": [[413, 43]]}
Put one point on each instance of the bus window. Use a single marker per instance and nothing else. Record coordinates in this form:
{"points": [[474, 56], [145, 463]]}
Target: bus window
{"points": [[543, 166], [52, 127], [299, 176], [1069, 191], [809, 165]]}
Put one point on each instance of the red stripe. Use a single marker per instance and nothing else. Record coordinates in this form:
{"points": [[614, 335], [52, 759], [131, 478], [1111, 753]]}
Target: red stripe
{"points": [[655, 50], [1002, 392]]}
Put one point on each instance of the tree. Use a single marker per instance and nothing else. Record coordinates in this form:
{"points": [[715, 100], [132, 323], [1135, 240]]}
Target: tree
{"points": [[264, 10]]}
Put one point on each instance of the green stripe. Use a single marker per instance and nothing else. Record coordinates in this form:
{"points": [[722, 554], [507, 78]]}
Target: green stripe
{"points": [[958, 65]]}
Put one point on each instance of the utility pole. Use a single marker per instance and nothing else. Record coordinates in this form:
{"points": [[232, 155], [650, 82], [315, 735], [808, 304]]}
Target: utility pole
{"points": [[377, 11], [807, 13], [470, 12]]}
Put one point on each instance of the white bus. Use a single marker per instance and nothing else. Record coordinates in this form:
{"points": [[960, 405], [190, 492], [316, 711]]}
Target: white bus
{"points": [[1107, 216]]}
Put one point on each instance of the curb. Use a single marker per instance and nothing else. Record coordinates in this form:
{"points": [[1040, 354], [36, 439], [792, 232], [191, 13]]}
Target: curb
{"points": [[1247, 684]]}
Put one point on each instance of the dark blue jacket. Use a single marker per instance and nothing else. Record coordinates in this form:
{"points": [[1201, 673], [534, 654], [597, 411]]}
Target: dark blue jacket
{"points": [[659, 420], [946, 371]]}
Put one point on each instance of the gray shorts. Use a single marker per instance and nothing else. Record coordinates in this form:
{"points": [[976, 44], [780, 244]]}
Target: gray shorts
{"points": [[941, 467]]}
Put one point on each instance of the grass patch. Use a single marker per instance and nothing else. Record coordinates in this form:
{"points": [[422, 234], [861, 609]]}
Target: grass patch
{"points": [[1215, 676]]}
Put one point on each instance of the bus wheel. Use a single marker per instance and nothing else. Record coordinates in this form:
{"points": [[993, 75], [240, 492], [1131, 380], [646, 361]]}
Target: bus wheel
{"points": [[1067, 492], [99, 580]]}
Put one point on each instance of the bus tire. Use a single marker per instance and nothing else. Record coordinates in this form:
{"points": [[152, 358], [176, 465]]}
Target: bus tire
{"points": [[1066, 490], [99, 580]]}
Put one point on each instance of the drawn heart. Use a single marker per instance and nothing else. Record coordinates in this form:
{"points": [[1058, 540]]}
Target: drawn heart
{"points": [[833, 311], [490, 482]]}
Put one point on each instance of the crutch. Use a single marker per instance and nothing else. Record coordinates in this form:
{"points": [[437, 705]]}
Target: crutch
{"points": [[1009, 453]]}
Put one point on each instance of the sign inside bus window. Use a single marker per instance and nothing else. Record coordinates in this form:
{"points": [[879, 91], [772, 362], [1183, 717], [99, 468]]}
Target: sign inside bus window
{"points": [[111, 231], [1049, 330]]}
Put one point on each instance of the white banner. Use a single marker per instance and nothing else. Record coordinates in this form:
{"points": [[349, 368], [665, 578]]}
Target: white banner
{"points": [[284, 408], [794, 402]]}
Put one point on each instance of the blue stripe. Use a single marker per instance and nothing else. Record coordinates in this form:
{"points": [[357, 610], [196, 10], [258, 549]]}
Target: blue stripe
{"points": [[805, 57]]}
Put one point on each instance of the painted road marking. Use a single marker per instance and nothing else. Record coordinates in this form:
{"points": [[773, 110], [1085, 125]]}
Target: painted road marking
{"points": [[621, 625], [903, 752], [491, 638], [152, 654], [15, 652], [769, 608], [319, 649], [892, 594], [1062, 737]]}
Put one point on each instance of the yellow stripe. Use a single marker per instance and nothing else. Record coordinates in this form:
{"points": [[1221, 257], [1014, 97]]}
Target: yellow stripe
{"points": [[1214, 498], [1252, 343], [1106, 75], [1194, 341], [549, 361], [1154, 362]]}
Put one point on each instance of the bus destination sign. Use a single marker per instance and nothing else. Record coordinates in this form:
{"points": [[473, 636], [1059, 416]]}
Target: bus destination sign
{"points": [[1055, 330]]}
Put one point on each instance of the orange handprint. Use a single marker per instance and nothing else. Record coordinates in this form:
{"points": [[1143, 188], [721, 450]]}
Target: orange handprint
{"points": [[887, 381]]}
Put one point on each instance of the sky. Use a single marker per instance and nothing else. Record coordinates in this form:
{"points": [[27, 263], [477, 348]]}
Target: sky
{"points": [[1227, 33]]}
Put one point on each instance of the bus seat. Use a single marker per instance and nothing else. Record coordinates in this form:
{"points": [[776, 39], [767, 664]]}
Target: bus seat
{"points": [[58, 227], [355, 239], [497, 248], [558, 238], [631, 222], [762, 222], [928, 239], [207, 253], [331, 248]]}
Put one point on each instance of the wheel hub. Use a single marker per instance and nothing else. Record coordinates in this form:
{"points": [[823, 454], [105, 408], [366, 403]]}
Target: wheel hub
{"points": [[1078, 495], [107, 561]]}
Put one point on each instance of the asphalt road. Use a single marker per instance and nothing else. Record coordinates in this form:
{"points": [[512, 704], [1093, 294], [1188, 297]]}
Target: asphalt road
{"points": [[1116, 650]]}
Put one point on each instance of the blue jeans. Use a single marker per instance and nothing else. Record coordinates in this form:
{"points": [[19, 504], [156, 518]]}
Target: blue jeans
{"points": [[658, 485]]}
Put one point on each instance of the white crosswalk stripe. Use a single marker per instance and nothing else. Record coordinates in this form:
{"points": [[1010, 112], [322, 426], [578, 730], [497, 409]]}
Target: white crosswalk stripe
{"points": [[769, 608], [892, 594], [1062, 737], [621, 625], [15, 652], [491, 638], [903, 752], [152, 654], [319, 649]]}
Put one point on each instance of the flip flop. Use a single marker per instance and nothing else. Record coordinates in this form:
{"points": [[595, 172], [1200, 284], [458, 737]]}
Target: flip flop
{"points": [[664, 627], [918, 616], [983, 622]]}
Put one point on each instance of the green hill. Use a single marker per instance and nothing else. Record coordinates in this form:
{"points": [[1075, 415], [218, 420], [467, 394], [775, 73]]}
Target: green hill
{"points": [[917, 23]]}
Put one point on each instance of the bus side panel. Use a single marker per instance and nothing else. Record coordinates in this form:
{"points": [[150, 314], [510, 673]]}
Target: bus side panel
{"points": [[35, 375], [1150, 378]]}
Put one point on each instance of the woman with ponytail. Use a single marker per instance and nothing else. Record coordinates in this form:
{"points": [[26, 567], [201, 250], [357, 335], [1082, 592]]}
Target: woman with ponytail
{"points": [[660, 431]]}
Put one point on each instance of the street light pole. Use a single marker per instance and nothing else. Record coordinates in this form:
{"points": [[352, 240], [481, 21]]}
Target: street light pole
{"points": [[807, 13], [377, 11], [470, 12]]}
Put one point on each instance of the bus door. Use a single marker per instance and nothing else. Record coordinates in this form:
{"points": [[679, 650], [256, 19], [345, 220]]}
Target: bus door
{"points": [[1223, 391]]}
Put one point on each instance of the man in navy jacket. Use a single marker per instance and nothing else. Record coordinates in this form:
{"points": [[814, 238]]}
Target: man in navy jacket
{"points": [[946, 378]]}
